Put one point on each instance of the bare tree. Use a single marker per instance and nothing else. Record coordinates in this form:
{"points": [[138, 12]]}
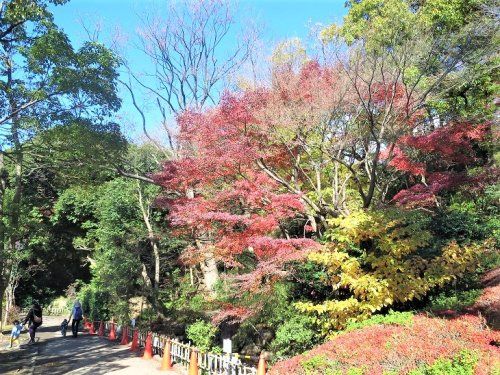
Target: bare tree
{"points": [[192, 50]]}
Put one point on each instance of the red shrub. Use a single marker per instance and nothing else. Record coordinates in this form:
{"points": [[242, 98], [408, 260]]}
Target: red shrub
{"points": [[402, 348]]}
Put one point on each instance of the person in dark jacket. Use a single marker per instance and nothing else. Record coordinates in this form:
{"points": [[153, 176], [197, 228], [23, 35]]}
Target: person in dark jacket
{"points": [[34, 318]]}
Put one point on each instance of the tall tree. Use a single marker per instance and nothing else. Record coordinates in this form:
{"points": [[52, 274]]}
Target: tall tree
{"points": [[44, 83], [190, 66]]}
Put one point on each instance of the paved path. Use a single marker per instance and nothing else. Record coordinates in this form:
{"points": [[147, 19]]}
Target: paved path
{"points": [[86, 354]]}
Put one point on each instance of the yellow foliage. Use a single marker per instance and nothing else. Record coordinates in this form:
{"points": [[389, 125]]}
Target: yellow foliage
{"points": [[377, 259], [290, 52]]}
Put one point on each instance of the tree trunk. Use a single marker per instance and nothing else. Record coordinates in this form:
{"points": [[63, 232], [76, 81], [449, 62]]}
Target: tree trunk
{"points": [[145, 277], [145, 210], [10, 293], [210, 273], [8, 248], [3, 255], [209, 264], [150, 294], [372, 178]]}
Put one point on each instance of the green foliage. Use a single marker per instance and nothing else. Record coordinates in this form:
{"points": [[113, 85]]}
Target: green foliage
{"points": [[469, 218], [380, 21], [318, 364], [383, 22], [75, 204], [187, 298], [488, 261], [322, 365], [293, 331], [94, 148], [454, 300], [202, 334], [146, 317], [184, 302], [462, 364], [112, 229], [404, 318], [294, 336], [309, 281], [46, 83], [94, 302]]}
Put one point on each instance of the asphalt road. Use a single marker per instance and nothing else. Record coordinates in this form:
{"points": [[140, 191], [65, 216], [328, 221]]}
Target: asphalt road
{"points": [[85, 354]]}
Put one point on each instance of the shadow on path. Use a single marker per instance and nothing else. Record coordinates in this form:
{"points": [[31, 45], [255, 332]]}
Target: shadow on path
{"points": [[86, 354]]}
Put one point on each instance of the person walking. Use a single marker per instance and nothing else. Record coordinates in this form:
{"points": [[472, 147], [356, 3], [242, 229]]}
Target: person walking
{"points": [[34, 318], [77, 314], [15, 333]]}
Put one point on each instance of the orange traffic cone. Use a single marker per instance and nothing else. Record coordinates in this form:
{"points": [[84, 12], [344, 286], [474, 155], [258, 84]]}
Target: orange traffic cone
{"points": [[193, 363], [135, 341], [148, 347], [112, 332], [124, 336], [91, 328], [261, 368], [166, 363], [101, 328]]}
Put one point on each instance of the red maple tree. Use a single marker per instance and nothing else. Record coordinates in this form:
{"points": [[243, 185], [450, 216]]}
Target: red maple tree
{"points": [[222, 199], [440, 158]]}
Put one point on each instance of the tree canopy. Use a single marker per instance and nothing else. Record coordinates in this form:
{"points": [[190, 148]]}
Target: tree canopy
{"points": [[358, 182]]}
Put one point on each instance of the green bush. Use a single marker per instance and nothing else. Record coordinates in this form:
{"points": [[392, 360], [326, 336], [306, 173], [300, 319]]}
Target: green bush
{"points": [[146, 317], [392, 317], [454, 300], [202, 334], [94, 302], [487, 261], [288, 332], [188, 304], [294, 336], [462, 364]]}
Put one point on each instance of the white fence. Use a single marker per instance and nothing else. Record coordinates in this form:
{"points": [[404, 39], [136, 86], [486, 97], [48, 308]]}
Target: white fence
{"points": [[60, 311], [211, 363]]}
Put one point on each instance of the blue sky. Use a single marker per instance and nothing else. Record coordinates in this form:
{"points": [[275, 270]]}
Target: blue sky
{"points": [[281, 19]]}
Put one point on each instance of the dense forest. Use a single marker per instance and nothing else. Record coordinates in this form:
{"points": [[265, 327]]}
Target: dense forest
{"points": [[345, 184]]}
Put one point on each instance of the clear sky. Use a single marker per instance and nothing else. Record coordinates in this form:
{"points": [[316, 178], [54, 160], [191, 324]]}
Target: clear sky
{"points": [[280, 19]]}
